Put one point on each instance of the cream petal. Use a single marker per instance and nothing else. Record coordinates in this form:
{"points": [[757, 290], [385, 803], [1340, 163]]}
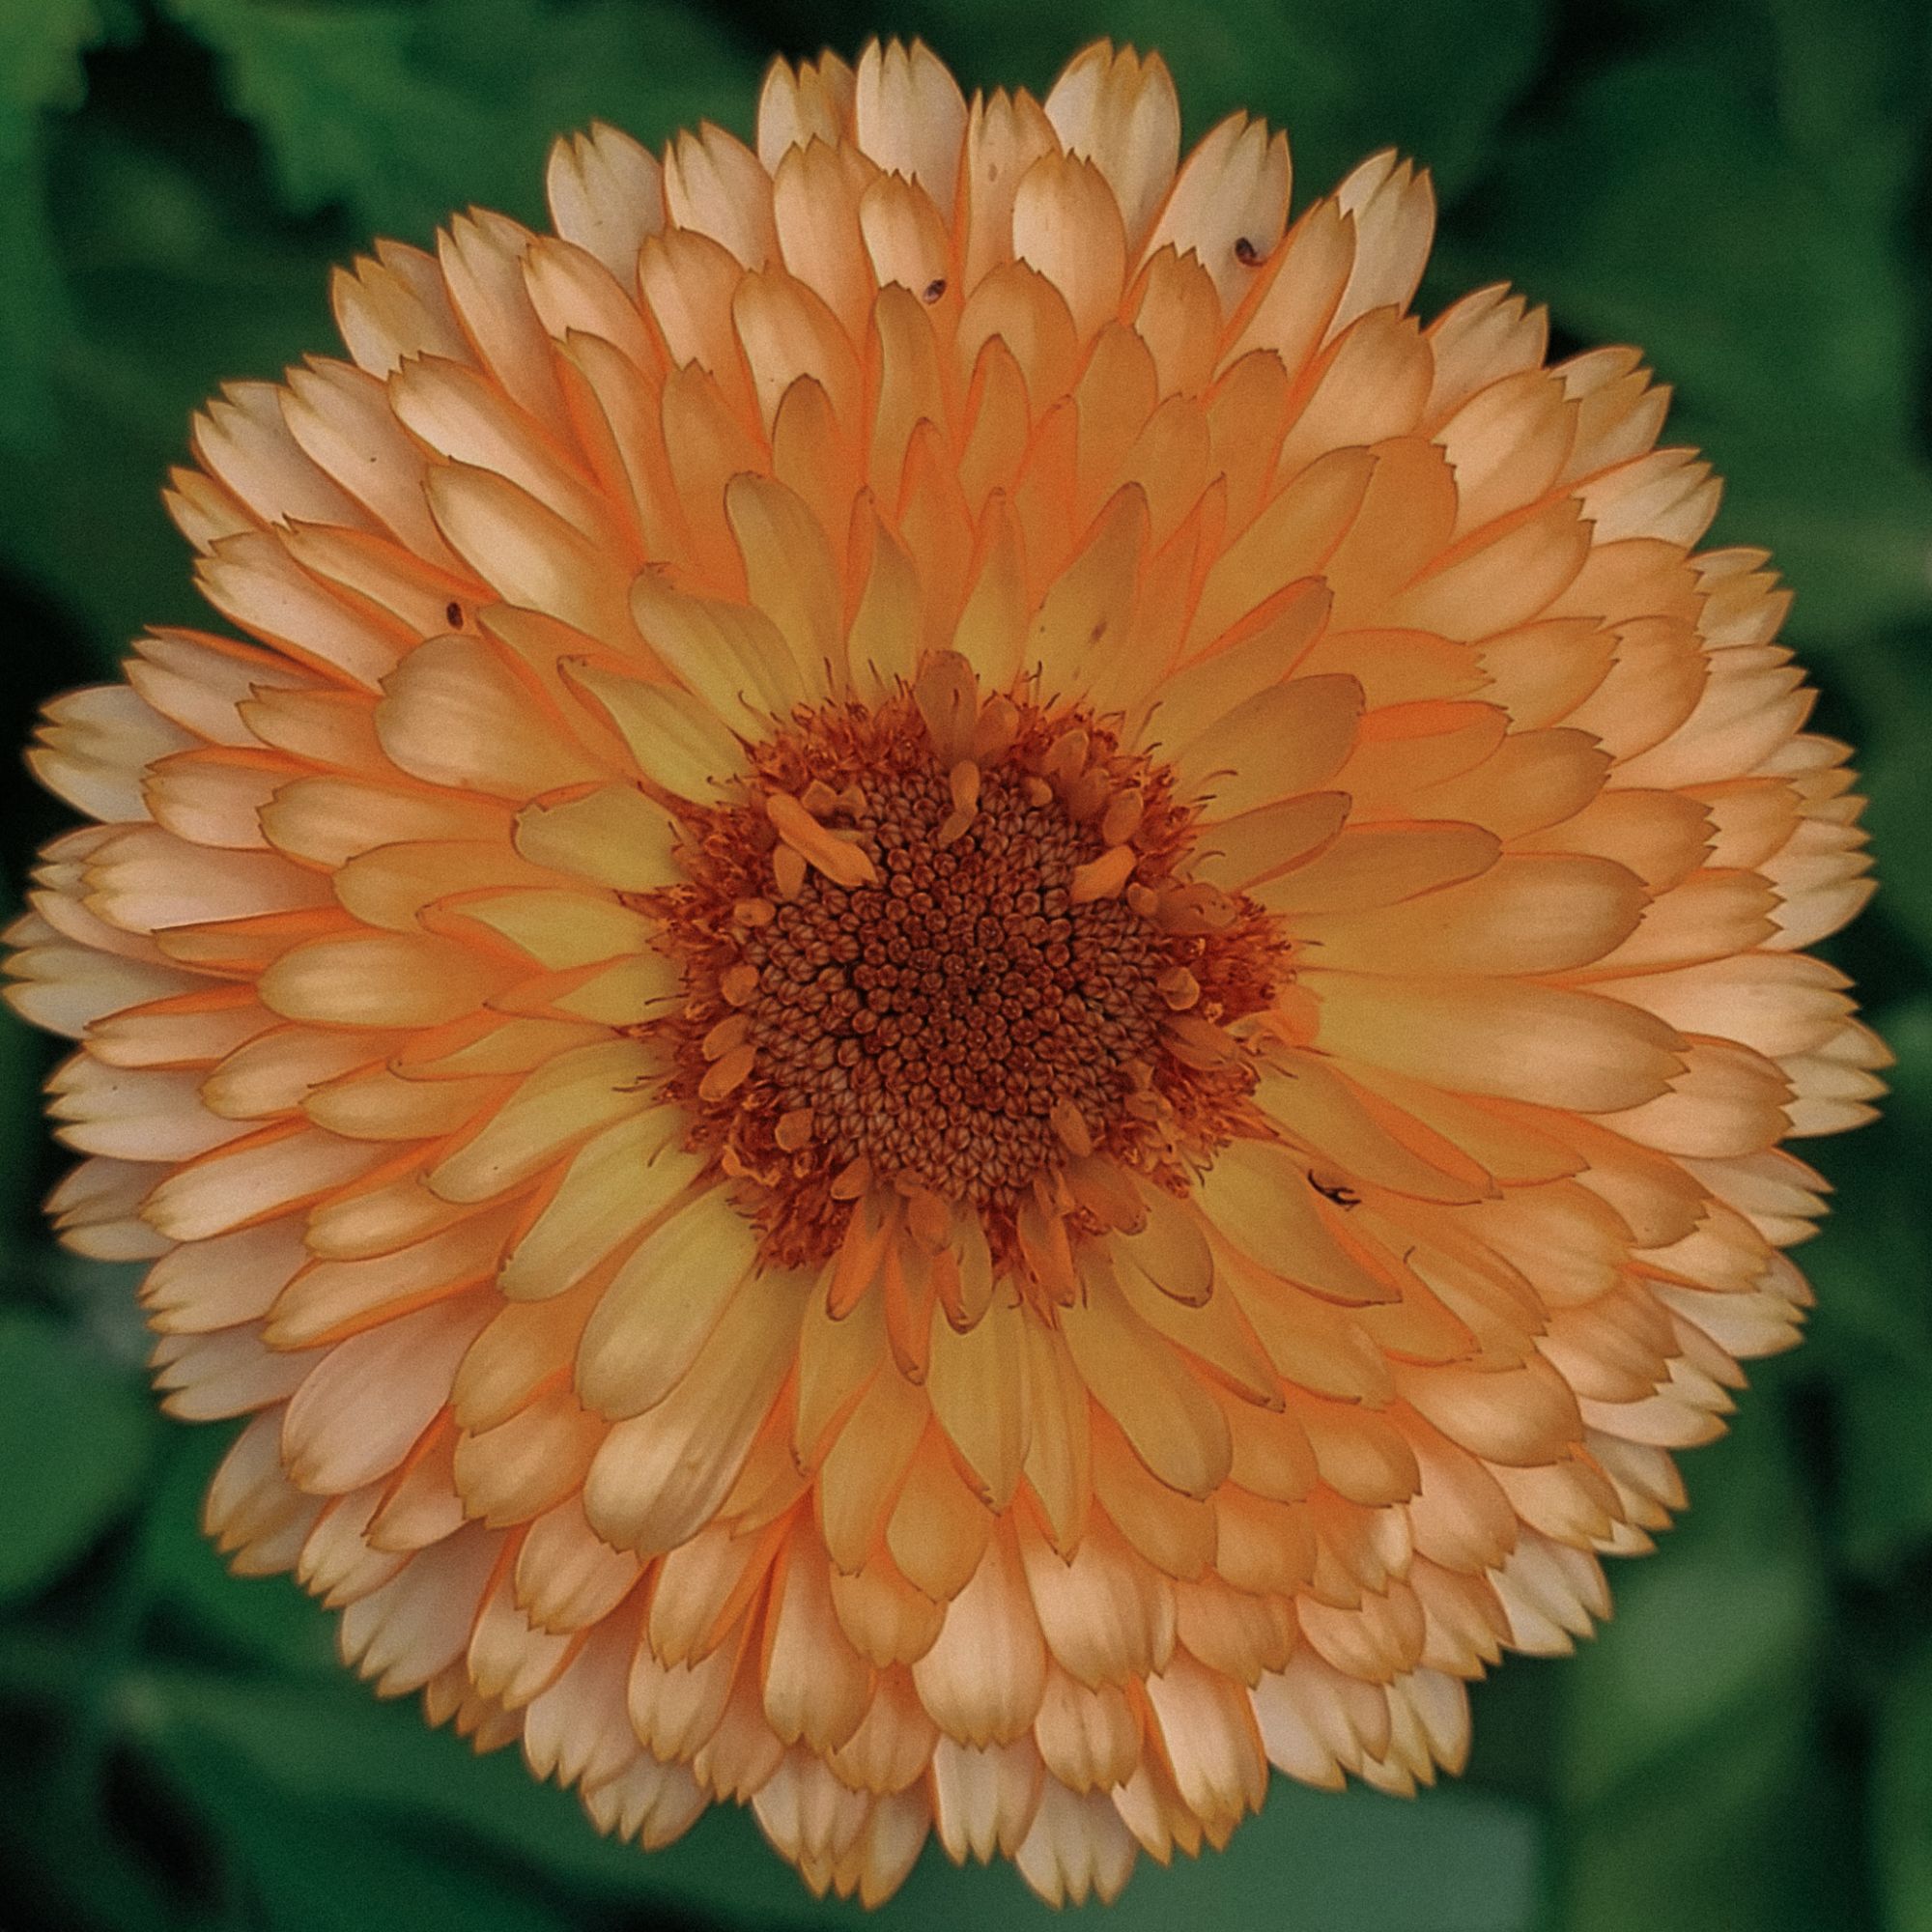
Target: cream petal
{"points": [[254, 1179], [362, 1407], [132, 1114], [378, 980], [395, 305], [567, 1577], [1228, 204], [1524, 914], [715, 186], [797, 107], [1005, 134], [730, 655], [418, 1623], [1291, 539], [455, 713], [606, 194], [1371, 385], [67, 989], [1211, 1740], [460, 416], [1506, 1038], [1393, 209], [1077, 1847], [976, 1383], [1066, 224], [244, 443], [532, 556], [1287, 740], [481, 255], [984, 1679], [910, 117], [815, 196], [1174, 1424], [577, 1729], [674, 737], [1121, 111]]}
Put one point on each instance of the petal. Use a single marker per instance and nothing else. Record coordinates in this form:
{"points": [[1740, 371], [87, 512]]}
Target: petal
{"points": [[661, 1475], [663, 1303], [1229, 204], [455, 713], [1122, 112], [910, 117], [1524, 914], [1175, 1425], [606, 194], [1067, 225], [1500, 1037]]}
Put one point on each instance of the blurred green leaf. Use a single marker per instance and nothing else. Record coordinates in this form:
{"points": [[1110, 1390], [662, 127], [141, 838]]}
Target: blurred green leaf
{"points": [[261, 1619], [74, 1442], [1345, 78], [1886, 1477], [1675, 200], [39, 70], [403, 113], [1731, 1615], [1450, 1861], [1896, 689], [1737, 185], [1691, 1742], [1901, 1802], [330, 1867], [1850, 82], [176, 283]]}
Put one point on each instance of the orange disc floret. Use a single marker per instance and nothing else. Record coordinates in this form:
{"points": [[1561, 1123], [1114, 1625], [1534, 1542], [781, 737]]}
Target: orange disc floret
{"points": [[971, 1004]]}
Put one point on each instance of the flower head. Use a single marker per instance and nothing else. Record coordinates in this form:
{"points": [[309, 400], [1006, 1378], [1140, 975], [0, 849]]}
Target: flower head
{"points": [[974, 1005]]}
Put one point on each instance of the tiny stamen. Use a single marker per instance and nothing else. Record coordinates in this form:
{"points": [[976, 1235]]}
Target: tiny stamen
{"points": [[1103, 877], [728, 1073], [787, 872], [1070, 1125], [1179, 987], [725, 1036], [1123, 817], [852, 1179]]}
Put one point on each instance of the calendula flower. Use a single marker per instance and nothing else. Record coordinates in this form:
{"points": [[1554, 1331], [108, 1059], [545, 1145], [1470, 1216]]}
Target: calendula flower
{"points": [[975, 1004]]}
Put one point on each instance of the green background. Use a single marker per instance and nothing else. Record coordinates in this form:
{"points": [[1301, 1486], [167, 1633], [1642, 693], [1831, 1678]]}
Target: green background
{"points": [[1740, 187]]}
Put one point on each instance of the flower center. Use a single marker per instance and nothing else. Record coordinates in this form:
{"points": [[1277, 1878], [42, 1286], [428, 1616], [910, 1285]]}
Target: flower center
{"points": [[964, 1020], [943, 948]]}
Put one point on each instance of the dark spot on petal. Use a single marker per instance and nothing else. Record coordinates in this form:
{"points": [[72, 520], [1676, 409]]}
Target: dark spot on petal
{"points": [[455, 616], [935, 289], [1335, 1190], [1245, 253]]}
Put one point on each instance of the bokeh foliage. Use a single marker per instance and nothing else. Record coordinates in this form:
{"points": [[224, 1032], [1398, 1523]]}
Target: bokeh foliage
{"points": [[1739, 186]]}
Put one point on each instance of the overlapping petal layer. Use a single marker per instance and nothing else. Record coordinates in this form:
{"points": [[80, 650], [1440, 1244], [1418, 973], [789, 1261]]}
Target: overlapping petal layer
{"points": [[1459, 816]]}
